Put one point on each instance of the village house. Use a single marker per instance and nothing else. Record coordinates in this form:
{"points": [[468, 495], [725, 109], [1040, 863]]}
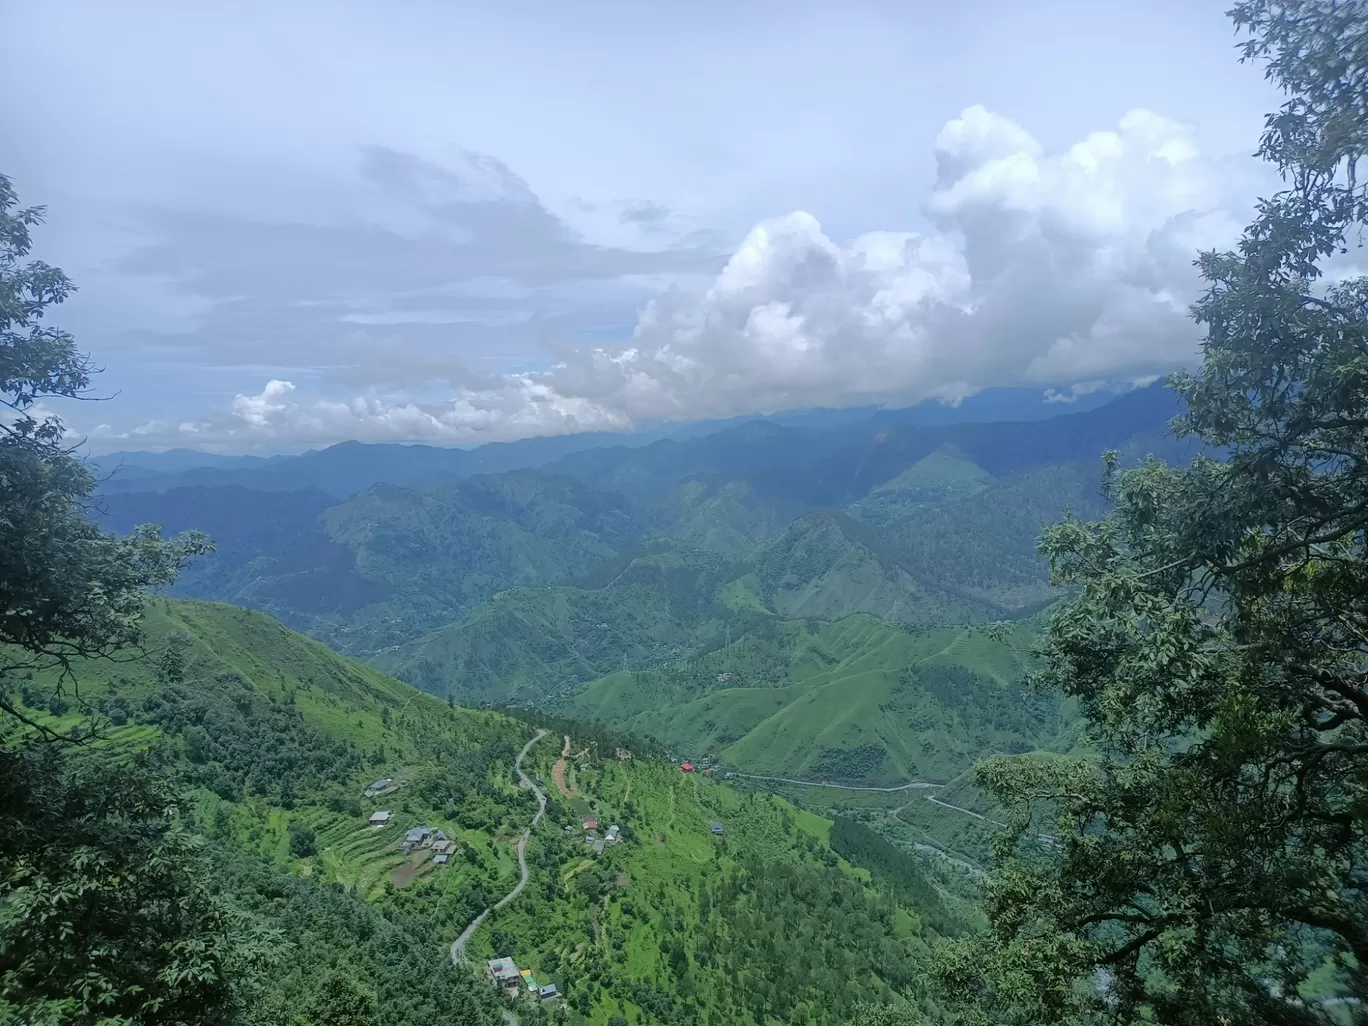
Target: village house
{"points": [[612, 835], [590, 823], [382, 786], [505, 974], [441, 860], [443, 847], [548, 992], [379, 819], [717, 829], [423, 836]]}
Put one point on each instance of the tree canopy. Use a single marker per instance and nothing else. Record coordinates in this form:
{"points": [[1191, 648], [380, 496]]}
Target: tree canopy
{"points": [[104, 910], [1208, 865], [67, 589]]}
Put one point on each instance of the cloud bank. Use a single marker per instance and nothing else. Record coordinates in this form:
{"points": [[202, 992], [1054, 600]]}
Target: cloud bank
{"points": [[1048, 269]]}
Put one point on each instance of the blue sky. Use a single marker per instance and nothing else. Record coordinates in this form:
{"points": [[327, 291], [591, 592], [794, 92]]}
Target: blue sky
{"points": [[294, 224]]}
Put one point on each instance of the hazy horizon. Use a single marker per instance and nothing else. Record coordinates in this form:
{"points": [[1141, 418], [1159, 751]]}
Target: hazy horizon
{"points": [[453, 225]]}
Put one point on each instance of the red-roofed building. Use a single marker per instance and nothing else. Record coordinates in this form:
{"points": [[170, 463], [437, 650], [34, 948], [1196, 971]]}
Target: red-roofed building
{"points": [[590, 823], [687, 767]]}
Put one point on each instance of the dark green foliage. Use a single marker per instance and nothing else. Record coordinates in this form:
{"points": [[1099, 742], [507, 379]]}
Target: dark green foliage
{"points": [[103, 906], [303, 842], [771, 928], [342, 959], [67, 589], [238, 741], [1012, 708], [602, 740], [105, 909], [861, 763], [1211, 861], [899, 872]]}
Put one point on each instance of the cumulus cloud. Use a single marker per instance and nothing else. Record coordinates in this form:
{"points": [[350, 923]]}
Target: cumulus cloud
{"points": [[1050, 269]]}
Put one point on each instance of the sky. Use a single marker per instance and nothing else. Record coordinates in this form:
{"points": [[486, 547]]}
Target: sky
{"points": [[293, 224]]}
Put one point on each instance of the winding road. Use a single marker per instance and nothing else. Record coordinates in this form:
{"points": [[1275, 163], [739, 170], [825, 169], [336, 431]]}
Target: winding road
{"points": [[458, 946]]}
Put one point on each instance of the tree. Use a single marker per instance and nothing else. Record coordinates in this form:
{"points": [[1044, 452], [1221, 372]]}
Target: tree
{"points": [[1212, 857], [67, 589], [104, 909], [303, 841]]}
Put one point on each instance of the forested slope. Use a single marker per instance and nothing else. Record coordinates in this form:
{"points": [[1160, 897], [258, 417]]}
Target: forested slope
{"points": [[274, 738]]}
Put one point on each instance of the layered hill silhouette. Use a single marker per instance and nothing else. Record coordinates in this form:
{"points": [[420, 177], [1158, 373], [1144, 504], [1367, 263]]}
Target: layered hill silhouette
{"points": [[539, 584]]}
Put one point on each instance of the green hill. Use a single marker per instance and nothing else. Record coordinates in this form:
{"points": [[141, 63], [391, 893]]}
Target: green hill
{"points": [[825, 566], [944, 476], [276, 737], [724, 514], [952, 511], [391, 563], [855, 701]]}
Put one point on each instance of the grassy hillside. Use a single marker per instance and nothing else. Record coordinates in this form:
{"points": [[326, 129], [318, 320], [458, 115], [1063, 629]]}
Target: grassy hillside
{"points": [[944, 476], [823, 566], [855, 701], [276, 737]]}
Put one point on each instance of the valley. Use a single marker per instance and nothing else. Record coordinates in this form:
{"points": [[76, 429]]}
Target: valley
{"points": [[834, 651], [277, 738], [507, 776], [727, 592], [540, 601]]}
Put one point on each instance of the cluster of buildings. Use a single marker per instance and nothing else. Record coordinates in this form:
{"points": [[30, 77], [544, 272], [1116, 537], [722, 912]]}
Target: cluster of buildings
{"points": [[434, 840], [506, 976], [610, 836], [442, 847], [704, 764]]}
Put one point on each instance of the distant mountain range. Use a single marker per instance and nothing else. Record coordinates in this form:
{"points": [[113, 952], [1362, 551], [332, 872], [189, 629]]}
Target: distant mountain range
{"points": [[344, 469], [540, 583]]}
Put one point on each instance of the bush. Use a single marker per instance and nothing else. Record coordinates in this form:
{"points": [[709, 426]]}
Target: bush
{"points": [[303, 840]]}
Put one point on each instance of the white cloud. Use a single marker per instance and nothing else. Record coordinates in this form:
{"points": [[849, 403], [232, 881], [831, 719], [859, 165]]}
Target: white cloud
{"points": [[1045, 269]]}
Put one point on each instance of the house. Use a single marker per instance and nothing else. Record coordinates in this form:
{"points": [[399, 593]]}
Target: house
{"points": [[590, 823], [612, 835], [377, 787], [547, 992], [590, 838], [598, 846], [441, 860], [443, 847], [687, 767], [717, 829], [418, 835], [569, 828], [505, 974], [379, 819]]}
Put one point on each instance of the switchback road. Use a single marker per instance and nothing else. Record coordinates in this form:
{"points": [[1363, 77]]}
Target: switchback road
{"points": [[458, 946]]}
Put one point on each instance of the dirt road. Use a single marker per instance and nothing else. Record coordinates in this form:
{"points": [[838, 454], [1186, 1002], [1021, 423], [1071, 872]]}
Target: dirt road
{"points": [[458, 946]]}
